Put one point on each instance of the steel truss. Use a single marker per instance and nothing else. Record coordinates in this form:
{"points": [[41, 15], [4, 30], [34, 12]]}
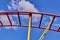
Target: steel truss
{"points": [[30, 22]]}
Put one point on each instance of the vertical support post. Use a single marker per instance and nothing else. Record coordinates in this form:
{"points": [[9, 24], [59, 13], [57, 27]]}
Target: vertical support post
{"points": [[1, 23], [9, 18], [58, 30], [47, 29], [29, 26], [19, 19], [40, 20]]}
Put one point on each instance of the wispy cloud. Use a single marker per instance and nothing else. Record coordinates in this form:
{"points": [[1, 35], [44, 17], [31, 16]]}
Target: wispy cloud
{"points": [[4, 19], [21, 6]]}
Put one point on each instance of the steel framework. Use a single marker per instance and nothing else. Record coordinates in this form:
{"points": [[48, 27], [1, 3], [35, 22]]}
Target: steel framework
{"points": [[30, 21]]}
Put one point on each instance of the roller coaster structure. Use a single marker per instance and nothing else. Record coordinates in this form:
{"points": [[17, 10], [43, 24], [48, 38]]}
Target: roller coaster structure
{"points": [[30, 22]]}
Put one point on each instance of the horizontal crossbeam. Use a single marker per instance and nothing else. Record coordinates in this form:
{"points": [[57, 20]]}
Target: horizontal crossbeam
{"points": [[27, 13]]}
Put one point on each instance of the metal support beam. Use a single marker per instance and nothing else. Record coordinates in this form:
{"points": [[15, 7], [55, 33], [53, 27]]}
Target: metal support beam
{"points": [[8, 18], [19, 19], [40, 21], [1, 23], [47, 29], [29, 26]]}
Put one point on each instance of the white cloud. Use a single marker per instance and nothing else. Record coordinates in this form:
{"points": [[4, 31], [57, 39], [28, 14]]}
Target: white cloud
{"points": [[7, 27], [26, 6], [10, 27], [22, 6], [57, 24], [4, 19]]}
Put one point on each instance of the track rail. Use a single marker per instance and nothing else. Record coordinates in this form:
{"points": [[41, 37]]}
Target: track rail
{"points": [[27, 13]]}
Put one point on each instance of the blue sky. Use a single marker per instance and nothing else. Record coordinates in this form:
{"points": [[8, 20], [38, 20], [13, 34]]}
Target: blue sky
{"points": [[47, 6]]}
